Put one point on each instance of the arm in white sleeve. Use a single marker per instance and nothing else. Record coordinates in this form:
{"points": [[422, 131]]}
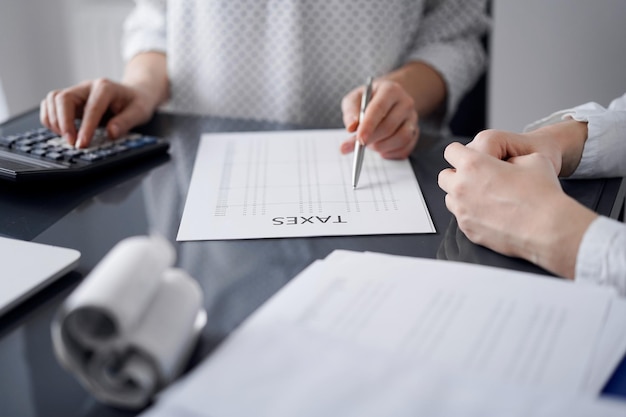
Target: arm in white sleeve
{"points": [[601, 256], [605, 149], [145, 29], [449, 41]]}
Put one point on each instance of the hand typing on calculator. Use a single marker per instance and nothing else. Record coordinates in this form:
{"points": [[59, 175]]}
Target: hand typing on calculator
{"points": [[131, 102]]}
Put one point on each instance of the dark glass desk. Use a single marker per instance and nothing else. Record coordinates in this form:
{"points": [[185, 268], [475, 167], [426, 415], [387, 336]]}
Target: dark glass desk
{"points": [[236, 276]]}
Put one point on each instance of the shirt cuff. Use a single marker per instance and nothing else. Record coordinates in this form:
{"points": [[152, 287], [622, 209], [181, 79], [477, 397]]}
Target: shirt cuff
{"points": [[604, 129], [601, 258]]}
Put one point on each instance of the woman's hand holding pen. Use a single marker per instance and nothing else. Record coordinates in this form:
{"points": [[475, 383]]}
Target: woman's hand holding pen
{"points": [[390, 123]]}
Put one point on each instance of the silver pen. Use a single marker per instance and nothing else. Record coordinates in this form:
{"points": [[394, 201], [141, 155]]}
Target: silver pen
{"points": [[359, 149]]}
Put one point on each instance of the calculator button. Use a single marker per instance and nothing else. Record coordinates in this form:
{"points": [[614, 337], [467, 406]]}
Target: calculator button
{"points": [[7, 141], [135, 143], [58, 149], [23, 142], [57, 141], [24, 148], [39, 138], [104, 152], [55, 156], [149, 139], [41, 145], [90, 157], [49, 134], [38, 152], [72, 153], [119, 148]]}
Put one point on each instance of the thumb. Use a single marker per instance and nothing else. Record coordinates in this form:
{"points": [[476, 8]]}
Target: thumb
{"points": [[348, 145]]}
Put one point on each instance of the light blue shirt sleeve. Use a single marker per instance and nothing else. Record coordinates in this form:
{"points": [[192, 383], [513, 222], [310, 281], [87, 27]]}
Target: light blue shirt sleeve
{"points": [[601, 256], [604, 154]]}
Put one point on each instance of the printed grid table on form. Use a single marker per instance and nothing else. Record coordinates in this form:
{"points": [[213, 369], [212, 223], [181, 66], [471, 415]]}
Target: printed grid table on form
{"points": [[296, 183]]}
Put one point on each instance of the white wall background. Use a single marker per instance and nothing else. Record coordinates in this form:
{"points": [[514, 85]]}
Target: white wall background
{"points": [[48, 44], [30, 36], [548, 55]]}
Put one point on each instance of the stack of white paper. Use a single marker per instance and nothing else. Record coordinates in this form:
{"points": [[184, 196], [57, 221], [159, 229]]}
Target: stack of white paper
{"points": [[372, 334]]}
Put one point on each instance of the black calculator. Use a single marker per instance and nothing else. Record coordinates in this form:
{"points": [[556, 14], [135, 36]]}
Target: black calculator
{"points": [[41, 154]]}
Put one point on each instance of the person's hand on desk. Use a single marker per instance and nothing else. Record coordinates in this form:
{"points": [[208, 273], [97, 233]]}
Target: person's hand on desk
{"points": [[504, 191], [389, 124], [132, 102], [561, 143]]}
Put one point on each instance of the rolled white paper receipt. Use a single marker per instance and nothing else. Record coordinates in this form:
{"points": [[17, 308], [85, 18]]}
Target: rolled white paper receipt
{"points": [[128, 329]]}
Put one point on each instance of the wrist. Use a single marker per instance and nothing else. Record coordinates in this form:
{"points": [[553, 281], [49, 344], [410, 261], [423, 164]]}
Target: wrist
{"points": [[148, 95], [424, 84], [554, 245], [146, 74], [569, 138]]}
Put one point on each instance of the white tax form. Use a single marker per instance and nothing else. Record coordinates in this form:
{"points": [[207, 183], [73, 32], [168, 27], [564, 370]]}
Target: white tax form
{"points": [[362, 334], [296, 183]]}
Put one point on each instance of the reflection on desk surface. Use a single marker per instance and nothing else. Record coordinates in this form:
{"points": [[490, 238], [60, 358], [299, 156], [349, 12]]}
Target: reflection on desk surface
{"points": [[455, 246]]}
